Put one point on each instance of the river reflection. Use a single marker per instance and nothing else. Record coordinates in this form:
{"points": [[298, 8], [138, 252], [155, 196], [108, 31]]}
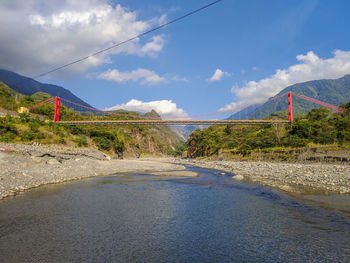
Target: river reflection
{"points": [[145, 218]]}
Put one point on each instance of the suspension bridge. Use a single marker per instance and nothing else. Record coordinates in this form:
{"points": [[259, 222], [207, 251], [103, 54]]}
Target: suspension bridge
{"points": [[92, 116]]}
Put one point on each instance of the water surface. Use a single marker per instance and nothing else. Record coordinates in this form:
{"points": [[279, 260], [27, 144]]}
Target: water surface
{"points": [[145, 218]]}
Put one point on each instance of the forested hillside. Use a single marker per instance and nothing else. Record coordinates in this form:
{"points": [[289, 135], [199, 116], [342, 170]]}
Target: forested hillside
{"points": [[320, 127], [129, 141]]}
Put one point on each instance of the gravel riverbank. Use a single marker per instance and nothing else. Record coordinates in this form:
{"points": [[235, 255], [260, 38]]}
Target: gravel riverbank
{"points": [[26, 166], [290, 177]]}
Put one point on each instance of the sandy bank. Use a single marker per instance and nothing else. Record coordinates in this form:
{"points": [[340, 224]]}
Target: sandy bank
{"points": [[176, 173]]}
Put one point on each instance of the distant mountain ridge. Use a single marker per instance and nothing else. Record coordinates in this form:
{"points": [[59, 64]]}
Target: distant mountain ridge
{"points": [[333, 91], [29, 86]]}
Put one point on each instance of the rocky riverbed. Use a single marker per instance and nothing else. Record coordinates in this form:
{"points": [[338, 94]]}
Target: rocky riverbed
{"points": [[26, 166], [290, 177]]}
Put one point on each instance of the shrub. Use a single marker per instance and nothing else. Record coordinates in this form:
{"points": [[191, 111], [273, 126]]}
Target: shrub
{"points": [[7, 137], [6, 126], [34, 126], [103, 143], [40, 135], [119, 147], [81, 141], [102, 134], [294, 141], [27, 136], [27, 101], [24, 117], [60, 140]]}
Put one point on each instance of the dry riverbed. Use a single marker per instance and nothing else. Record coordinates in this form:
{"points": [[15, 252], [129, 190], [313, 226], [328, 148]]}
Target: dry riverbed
{"points": [[26, 166]]}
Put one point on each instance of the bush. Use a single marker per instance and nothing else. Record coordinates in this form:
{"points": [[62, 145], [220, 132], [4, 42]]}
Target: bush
{"points": [[7, 137], [34, 126], [102, 134], [318, 114], [119, 147], [81, 141], [103, 143], [60, 140], [75, 130], [27, 101], [40, 135], [47, 110], [27, 136], [25, 117], [294, 141], [7, 127]]}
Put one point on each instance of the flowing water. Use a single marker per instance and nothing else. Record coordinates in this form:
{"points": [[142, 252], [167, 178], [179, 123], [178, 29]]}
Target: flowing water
{"points": [[145, 218]]}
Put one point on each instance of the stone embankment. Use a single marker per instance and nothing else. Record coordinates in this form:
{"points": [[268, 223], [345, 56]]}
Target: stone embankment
{"points": [[26, 166], [290, 177]]}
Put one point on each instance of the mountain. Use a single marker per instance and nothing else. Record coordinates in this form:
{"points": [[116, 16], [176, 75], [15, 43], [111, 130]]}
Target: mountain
{"points": [[28, 86], [333, 91]]}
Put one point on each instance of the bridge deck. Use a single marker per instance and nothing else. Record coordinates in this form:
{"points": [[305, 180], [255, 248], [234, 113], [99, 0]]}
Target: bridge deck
{"points": [[176, 122]]}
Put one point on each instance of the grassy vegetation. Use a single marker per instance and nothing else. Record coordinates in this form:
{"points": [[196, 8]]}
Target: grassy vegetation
{"points": [[318, 127]]}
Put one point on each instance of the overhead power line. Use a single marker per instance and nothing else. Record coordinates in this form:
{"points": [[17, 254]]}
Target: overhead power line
{"points": [[128, 40]]}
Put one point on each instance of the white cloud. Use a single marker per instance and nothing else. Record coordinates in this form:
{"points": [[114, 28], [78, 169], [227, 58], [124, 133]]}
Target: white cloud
{"points": [[181, 79], [218, 75], [166, 108], [38, 35], [310, 67], [143, 76]]}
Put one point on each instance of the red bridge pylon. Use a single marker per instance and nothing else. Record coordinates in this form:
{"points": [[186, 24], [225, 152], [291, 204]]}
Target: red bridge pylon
{"points": [[290, 106], [56, 117]]}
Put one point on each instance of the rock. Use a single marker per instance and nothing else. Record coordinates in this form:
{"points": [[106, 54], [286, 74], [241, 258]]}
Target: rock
{"points": [[52, 161], [36, 159], [238, 177], [286, 188]]}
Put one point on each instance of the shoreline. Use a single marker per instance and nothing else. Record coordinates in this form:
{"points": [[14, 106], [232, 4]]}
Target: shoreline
{"points": [[23, 167], [295, 178]]}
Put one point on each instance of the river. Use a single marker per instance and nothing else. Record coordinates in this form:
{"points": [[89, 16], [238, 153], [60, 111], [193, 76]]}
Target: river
{"points": [[144, 218]]}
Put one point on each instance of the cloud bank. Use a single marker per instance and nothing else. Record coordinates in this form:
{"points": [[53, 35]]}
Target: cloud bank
{"points": [[310, 67], [165, 108], [218, 75], [38, 35]]}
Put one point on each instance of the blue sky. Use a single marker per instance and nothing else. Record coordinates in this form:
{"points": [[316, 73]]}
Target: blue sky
{"points": [[256, 47]]}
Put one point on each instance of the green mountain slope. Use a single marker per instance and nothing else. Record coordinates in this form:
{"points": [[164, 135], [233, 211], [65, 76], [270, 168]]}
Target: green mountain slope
{"points": [[29, 86], [333, 91]]}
